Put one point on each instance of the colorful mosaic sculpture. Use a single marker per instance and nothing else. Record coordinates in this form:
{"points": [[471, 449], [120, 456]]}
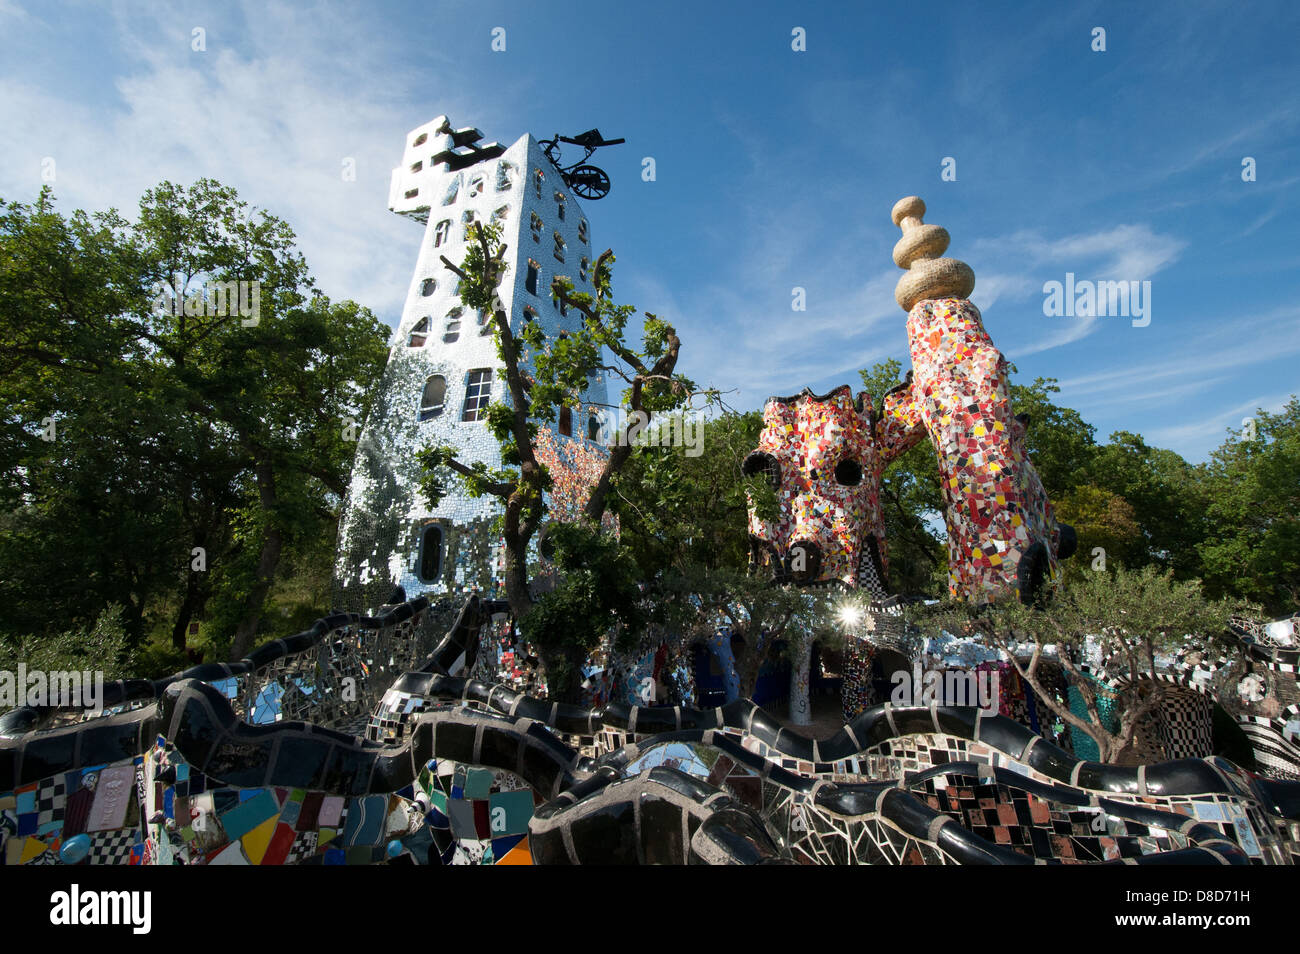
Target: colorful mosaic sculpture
{"points": [[824, 461], [1001, 532], [462, 771]]}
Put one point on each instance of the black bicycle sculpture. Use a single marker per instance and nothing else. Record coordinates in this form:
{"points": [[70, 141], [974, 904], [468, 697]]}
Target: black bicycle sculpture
{"points": [[587, 182]]}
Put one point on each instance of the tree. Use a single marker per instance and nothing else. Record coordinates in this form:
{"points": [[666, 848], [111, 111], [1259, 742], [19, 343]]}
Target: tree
{"points": [[190, 411], [1164, 495], [771, 620], [681, 507], [1252, 507], [542, 375], [1133, 614], [911, 503], [1103, 522], [1059, 441]]}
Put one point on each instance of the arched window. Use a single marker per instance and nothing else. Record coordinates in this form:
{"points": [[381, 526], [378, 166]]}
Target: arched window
{"points": [[419, 332], [434, 397], [566, 421], [593, 427], [430, 553], [452, 331], [428, 287], [441, 231]]}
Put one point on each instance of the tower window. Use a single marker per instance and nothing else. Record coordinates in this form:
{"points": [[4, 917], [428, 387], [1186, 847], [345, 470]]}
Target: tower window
{"points": [[535, 226], [559, 205], [593, 427], [412, 193], [500, 215], [484, 323], [418, 334], [503, 175], [584, 265], [430, 553], [421, 139], [466, 221], [452, 331], [582, 231], [441, 232], [530, 279], [428, 287], [476, 185], [434, 397], [478, 392], [538, 176], [453, 188], [566, 421], [530, 313], [559, 247]]}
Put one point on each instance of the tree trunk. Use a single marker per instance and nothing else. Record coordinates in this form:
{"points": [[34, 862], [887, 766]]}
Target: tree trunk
{"points": [[267, 563], [800, 673], [188, 607]]}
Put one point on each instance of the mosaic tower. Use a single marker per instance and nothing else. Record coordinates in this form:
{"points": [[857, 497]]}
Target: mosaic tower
{"points": [[1002, 534], [443, 370]]}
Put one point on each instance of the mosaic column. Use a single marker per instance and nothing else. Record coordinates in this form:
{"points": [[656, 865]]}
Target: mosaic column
{"points": [[800, 672], [1001, 531]]}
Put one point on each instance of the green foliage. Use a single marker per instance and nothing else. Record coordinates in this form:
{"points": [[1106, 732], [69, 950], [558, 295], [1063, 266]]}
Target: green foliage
{"points": [[216, 429], [103, 646], [1252, 505], [1133, 615], [911, 503], [1058, 439], [677, 510], [597, 591]]}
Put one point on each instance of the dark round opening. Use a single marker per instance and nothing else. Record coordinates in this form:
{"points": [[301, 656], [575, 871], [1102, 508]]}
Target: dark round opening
{"points": [[760, 462], [848, 472]]}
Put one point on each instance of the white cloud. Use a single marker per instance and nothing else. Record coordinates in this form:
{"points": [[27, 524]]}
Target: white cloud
{"points": [[263, 117]]}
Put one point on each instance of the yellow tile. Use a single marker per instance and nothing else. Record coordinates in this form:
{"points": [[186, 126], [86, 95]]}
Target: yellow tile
{"points": [[256, 841]]}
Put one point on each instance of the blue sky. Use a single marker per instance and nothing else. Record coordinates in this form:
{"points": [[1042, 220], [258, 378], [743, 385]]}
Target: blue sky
{"points": [[775, 168]]}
